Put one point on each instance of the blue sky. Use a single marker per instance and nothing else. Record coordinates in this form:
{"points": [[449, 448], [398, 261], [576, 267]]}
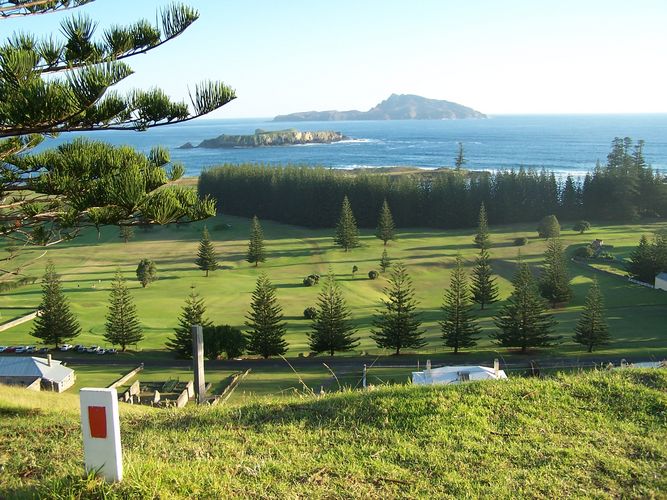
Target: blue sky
{"points": [[510, 56]]}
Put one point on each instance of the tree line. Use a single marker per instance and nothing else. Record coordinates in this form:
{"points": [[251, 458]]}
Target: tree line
{"points": [[625, 188]]}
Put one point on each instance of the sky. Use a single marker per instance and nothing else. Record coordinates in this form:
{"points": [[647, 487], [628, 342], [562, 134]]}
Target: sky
{"points": [[499, 57]]}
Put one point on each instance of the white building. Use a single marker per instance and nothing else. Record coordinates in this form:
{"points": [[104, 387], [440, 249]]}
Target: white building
{"points": [[661, 281], [456, 375], [36, 373]]}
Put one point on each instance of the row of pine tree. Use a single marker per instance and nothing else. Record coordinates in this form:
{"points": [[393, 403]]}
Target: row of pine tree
{"points": [[523, 322]]}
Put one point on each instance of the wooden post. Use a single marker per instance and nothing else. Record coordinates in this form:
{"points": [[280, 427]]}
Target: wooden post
{"points": [[198, 361]]}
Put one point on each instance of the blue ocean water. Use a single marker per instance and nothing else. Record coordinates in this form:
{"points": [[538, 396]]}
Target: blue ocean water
{"points": [[562, 143]]}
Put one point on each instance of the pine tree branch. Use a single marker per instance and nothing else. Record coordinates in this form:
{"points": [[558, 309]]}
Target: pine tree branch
{"points": [[36, 7]]}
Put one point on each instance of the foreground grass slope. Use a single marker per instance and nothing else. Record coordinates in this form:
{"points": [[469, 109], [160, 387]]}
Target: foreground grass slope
{"points": [[598, 434]]}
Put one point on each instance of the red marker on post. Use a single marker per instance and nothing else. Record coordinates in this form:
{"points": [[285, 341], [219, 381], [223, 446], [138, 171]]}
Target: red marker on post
{"points": [[100, 426]]}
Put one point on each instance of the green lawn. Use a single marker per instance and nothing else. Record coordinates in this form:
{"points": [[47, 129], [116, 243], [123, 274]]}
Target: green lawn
{"points": [[636, 315]]}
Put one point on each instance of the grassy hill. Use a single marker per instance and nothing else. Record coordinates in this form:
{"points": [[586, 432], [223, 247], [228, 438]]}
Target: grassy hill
{"points": [[598, 434], [636, 315]]}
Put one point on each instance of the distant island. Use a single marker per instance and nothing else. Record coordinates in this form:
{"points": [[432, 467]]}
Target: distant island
{"points": [[262, 138], [396, 107]]}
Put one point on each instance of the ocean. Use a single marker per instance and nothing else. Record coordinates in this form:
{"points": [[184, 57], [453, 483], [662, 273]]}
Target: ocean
{"points": [[565, 144]]}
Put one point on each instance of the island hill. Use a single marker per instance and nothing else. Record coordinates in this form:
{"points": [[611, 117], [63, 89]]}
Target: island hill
{"points": [[396, 107], [269, 138]]}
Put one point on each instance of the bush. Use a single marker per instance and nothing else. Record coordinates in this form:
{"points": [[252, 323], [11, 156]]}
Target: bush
{"points": [[606, 256], [519, 242], [372, 275], [585, 252], [310, 313], [308, 281], [314, 277], [582, 226], [548, 227]]}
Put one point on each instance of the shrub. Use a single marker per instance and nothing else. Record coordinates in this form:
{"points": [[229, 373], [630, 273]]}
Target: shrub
{"points": [[606, 256], [519, 242], [548, 227], [585, 252], [308, 281], [314, 277], [310, 313], [372, 275], [582, 226]]}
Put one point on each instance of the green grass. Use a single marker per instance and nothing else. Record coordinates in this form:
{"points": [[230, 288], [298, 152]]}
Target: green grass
{"points": [[636, 315], [598, 434]]}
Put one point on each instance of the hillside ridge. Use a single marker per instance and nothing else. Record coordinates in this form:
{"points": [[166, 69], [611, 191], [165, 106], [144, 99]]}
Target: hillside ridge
{"points": [[395, 107]]}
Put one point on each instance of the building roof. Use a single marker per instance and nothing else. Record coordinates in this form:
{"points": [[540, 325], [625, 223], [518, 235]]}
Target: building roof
{"points": [[451, 374], [15, 366]]}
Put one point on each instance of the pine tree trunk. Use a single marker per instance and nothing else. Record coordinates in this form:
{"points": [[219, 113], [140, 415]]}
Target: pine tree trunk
{"points": [[590, 348], [256, 263]]}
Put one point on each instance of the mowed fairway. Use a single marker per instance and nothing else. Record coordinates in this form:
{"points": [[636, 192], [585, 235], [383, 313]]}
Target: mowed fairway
{"points": [[637, 316]]}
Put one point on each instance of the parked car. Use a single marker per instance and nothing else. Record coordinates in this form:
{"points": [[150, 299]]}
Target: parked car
{"points": [[101, 351], [112, 351], [43, 350], [80, 348], [93, 349], [21, 349], [66, 347], [30, 349], [10, 349], [3, 348]]}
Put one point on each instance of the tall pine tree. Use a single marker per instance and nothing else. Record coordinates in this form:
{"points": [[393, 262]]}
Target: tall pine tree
{"points": [[266, 329], [523, 322], [642, 265], [192, 314], [591, 330], [386, 230], [484, 287], [347, 234], [459, 327], [482, 238], [554, 281], [397, 325], [332, 330], [460, 159], [206, 258], [54, 323], [122, 326], [256, 253]]}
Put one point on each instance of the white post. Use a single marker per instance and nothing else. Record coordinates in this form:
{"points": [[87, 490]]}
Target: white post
{"points": [[496, 366], [363, 377], [428, 364], [101, 433]]}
